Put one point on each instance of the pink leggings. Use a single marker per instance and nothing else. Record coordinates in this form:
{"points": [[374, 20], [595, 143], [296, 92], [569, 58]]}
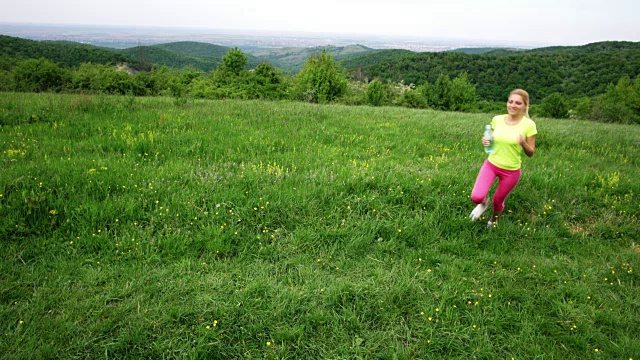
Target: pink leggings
{"points": [[488, 173]]}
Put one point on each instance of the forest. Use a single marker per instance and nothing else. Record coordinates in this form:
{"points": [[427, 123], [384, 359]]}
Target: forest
{"points": [[593, 82]]}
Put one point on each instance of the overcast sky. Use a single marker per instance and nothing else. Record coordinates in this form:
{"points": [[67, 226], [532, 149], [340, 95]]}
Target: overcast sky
{"points": [[552, 22]]}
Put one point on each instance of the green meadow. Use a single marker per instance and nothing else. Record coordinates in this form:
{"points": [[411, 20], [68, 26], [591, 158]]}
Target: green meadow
{"points": [[160, 229]]}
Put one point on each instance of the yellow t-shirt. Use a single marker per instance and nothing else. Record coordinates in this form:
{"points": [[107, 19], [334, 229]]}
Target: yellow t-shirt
{"points": [[507, 153]]}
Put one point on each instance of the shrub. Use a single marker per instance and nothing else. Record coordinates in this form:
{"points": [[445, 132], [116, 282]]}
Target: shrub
{"points": [[554, 106], [375, 93], [414, 99], [38, 75], [321, 80], [620, 103], [462, 94]]}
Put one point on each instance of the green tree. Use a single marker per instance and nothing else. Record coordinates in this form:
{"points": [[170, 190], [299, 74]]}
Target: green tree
{"points": [[37, 75], [266, 82], [105, 79], [414, 99], [6, 81], [441, 93], [321, 79], [375, 93], [462, 94], [234, 61], [620, 103], [583, 107], [554, 106]]}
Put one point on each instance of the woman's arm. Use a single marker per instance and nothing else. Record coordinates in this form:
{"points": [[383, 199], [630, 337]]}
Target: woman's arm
{"points": [[528, 144]]}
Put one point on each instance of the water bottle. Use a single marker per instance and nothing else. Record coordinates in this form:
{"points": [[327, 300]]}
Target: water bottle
{"points": [[488, 135]]}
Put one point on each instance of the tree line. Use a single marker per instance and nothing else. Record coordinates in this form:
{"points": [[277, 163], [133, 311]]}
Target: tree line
{"points": [[323, 80]]}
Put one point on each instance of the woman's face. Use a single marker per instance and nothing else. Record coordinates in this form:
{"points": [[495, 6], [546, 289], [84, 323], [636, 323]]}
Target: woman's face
{"points": [[515, 104]]}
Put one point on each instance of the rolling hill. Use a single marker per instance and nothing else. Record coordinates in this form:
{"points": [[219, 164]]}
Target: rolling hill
{"points": [[203, 51], [292, 59], [66, 54], [593, 48], [202, 56], [573, 71], [160, 56]]}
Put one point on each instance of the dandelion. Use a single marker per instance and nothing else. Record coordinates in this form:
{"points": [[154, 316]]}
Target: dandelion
{"points": [[53, 212], [268, 343], [428, 270], [208, 327]]}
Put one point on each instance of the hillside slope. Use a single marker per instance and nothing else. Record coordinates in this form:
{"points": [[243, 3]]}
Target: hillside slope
{"points": [[204, 51], [65, 54], [292, 59], [573, 71]]}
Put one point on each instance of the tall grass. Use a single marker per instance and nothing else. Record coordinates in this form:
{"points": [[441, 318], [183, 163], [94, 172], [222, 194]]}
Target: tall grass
{"points": [[142, 228]]}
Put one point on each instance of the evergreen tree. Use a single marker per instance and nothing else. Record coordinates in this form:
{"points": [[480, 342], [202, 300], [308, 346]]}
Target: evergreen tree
{"points": [[321, 80], [234, 61]]}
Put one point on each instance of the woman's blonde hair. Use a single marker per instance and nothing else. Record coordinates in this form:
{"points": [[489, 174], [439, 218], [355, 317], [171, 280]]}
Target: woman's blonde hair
{"points": [[525, 98]]}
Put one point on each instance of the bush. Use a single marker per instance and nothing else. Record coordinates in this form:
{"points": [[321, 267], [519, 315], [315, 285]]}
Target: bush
{"points": [[414, 99], [582, 110], [39, 75], [233, 62], [375, 93], [447, 95], [321, 80], [490, 107], [356, 94], [462, 94], [6, 81], [619, 104], [554, 106], [105, 79], [605, 110]]}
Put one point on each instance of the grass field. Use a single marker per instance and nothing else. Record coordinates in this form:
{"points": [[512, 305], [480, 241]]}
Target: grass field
{"points": [[144, 228]]}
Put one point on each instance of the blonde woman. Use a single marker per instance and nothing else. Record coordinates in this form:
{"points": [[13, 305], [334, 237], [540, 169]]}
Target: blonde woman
{"points": [[513, 134]]}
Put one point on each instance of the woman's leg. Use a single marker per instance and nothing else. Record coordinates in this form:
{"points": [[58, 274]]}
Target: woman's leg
{"points": [[485, 179], [506, 183]]}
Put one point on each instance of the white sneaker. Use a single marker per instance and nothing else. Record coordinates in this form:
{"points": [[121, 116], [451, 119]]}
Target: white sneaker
{"points": [[478, 211]]}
